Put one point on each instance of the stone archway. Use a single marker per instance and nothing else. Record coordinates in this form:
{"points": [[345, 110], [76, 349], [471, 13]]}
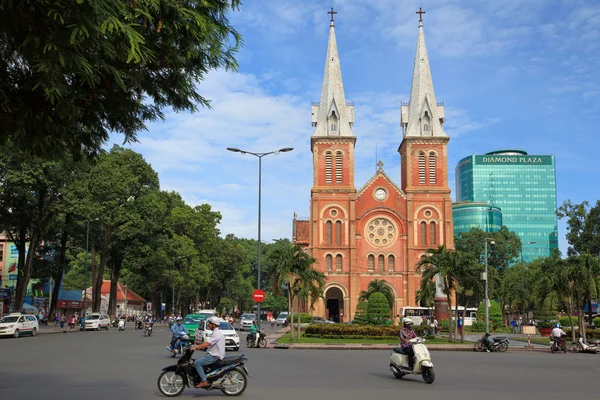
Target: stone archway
{"points": [[334, 304]]}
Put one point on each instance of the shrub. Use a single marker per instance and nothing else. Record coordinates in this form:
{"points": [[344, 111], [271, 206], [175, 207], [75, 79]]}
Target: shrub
{"points": [[423, 330], [544, 317], [494, 311], [351, 331], [593, 334], [378, 309], [596, 322], [360, 317], [564, 321], [478, 326], [444, 324], [305, 318]]}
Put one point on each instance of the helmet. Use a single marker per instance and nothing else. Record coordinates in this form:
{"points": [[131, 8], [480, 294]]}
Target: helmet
{"points": [[214, 321], [178, 319], [558, 325], [407, 320]]}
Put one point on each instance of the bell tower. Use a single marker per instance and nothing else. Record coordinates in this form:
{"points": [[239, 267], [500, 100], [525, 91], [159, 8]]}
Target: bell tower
{"points": [[424, 169]]}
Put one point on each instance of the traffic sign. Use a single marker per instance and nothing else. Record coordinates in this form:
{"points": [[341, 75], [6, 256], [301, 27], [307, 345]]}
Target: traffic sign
{"points": [[258, 296]]}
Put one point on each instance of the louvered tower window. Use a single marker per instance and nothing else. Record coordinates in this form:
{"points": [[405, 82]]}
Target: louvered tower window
{"points": [[328, 166], [381, 263], [338, 263], [432, 161], [423, 233], [328, 227], [338, 232], [432, 233], [338, 167], [421, 168], [328, 262], [371, 263], [391, 263]]}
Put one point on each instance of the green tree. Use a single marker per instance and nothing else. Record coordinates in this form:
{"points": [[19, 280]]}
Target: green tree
{"points": [[378, 309], [274, 303], [506, 250], [92, 67], [378, 286], [583, 227], [360, 316], [494, 312]]}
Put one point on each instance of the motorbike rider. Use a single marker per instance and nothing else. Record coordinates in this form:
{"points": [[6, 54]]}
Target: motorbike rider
{"points": [[178, 330], [406, 334], [557, 335], [488, 343], [253, 335], [215, 346]]}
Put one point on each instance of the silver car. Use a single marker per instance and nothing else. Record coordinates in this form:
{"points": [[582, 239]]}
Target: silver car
{"points": [[246, 321]]}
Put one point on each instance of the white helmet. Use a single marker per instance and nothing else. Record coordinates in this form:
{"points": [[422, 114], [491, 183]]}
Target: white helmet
{"points": [[214, 320], [179, 319], [407, 320]]}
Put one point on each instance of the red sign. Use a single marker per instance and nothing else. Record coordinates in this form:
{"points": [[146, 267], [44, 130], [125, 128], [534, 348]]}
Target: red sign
{"points": [[75, 305], [258, 296]]}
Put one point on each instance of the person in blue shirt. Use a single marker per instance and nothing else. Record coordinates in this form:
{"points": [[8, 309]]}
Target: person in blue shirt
{"points": [[178, 330]]}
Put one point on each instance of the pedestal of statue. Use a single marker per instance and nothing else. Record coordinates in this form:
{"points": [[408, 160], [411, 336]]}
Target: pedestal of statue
{"points": [[442, 310]]}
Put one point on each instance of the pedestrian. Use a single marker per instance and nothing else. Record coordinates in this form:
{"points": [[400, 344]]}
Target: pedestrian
{"points": [[520, 324], [513, 323], [63, 320], [397, 320], [71, 323], [435, 326], [460, 325], [56, 319]]}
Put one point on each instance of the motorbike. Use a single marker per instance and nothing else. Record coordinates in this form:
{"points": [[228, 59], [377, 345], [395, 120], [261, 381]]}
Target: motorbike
{"points": [[262, 340], [228, 375], [422, 365], [147, 330], [581, 346], [139, 324], [558, 344], [499, 343], [121, 325], [181, 346], [115, 323]]}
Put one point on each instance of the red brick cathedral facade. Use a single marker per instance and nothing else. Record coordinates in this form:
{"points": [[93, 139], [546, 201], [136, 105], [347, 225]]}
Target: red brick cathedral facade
{"points": [[381, 230]]}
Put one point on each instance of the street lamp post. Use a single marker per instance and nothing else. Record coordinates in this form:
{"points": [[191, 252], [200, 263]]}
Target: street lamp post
{"points": [[259, 156], [173, 286], [487, 311], [87, 239], [125, 301], [523, 286]]}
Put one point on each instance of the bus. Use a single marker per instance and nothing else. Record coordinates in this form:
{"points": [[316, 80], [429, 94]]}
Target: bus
{"points": [[420, 314]]}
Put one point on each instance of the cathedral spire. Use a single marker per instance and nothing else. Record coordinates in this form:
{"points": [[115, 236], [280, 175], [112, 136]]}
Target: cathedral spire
{"points": [[332, 116], [423, 116]]}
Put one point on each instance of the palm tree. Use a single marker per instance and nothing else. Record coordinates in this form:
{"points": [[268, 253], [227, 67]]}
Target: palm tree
{"points": [[380, 286], [585, 276], [445, 265]]}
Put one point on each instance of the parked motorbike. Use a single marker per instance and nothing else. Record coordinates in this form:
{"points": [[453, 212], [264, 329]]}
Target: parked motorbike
{"points": [[499, 343], [558, 344], [422, 363], [121, 325], [262, 340], [148, 330], [581, 346], [181, 346], [228, 375]]}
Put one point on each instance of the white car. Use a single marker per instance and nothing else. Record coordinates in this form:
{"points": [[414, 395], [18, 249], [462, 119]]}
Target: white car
{"points": [[96, 321], [17, 324], [281, 318], [232, 339], [246, 321]]}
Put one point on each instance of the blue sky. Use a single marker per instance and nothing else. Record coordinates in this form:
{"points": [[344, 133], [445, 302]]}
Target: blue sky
{"points": [[512, 74]]}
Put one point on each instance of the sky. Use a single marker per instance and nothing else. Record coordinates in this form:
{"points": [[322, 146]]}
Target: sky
{"points": [[512, 75]]}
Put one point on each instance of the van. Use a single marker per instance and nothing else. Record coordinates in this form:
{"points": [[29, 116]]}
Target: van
{"points": [[96, 321]]}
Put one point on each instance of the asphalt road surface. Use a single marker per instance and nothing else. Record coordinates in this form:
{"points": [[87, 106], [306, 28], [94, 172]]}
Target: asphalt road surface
{"points": [[125, 365]]}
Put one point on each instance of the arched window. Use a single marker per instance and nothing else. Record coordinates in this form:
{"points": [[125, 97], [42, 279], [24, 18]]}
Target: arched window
{"points": [[328, 161], [422, 168], [338, 167], [432, 233], [391, 263], [425, 128], [328, 261], [432, 170], [381, 263], [328, 227], [338, 263], [423, 233], [338, 232], [371, 262]]}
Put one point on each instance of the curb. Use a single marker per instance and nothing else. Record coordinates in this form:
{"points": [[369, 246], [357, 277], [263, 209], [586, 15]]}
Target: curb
{"points": [[387, 347]]}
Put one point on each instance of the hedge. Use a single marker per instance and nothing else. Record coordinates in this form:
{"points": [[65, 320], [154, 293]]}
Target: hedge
{"points": [[305, 318], [564, 321], [590, 333], [338, 331]]}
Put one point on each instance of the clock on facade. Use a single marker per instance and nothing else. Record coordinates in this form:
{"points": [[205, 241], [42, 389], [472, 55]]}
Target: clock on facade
{"points": [[380, 194]]}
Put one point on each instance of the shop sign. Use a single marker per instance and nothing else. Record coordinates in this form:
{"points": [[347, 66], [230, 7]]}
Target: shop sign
{"points": [[76, 305]]}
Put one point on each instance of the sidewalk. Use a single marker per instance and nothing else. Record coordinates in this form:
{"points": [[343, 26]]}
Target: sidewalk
{"points": [[44, 330]]}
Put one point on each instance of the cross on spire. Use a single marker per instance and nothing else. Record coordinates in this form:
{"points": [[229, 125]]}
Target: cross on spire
{"points": [[420, 12], [332, 13]]}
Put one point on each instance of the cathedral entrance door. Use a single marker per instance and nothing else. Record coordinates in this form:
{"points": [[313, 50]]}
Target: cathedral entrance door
{"points": [[334, 304]]}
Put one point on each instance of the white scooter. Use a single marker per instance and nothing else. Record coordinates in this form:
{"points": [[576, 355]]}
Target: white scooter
{"points": [[422, 366], [121, 324]]}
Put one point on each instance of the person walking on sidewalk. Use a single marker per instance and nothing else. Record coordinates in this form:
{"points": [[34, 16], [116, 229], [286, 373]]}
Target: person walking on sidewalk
{"points": [[63, 320]]}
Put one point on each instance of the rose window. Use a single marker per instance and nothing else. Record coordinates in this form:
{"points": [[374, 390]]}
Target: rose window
{"points": [[381, 232]]}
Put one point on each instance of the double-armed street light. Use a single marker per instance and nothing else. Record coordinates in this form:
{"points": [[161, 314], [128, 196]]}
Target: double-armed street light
{"points": [[87, 239], [259, 156], [523, 286], [487, 311]]}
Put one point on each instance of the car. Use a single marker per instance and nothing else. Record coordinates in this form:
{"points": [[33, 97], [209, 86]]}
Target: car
{"points": [[232, 339], [17, 324], [321, 320], [246, 321], [191, 322], [281, 318], [207, 313], [96, 321]]}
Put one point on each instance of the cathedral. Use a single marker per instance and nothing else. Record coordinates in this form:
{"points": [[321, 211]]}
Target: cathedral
{"points": [[382, 229]]}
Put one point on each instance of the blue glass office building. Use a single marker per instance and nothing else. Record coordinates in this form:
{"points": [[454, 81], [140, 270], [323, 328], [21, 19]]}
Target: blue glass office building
{"points": [[469, 215], [523, 187]]}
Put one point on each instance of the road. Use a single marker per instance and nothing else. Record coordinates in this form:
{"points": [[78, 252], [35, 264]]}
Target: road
{"points": [[125, 365]]}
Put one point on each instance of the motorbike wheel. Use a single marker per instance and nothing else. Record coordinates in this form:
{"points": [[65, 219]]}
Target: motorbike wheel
{"points": [[574, 348], [428, 375], [145, 333], [170, 383], [552, 348], [479, 346], [398, 375], [262, 343], [503, 347], [234, 382]]}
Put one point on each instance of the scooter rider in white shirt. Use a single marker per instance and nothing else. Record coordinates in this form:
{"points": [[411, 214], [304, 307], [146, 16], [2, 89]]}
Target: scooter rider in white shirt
{"points": [[215, 352], [557, 335]]}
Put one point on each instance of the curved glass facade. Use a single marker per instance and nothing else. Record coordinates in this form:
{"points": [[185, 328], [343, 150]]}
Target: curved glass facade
{"points": [[523, 186], [476, 215]]}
